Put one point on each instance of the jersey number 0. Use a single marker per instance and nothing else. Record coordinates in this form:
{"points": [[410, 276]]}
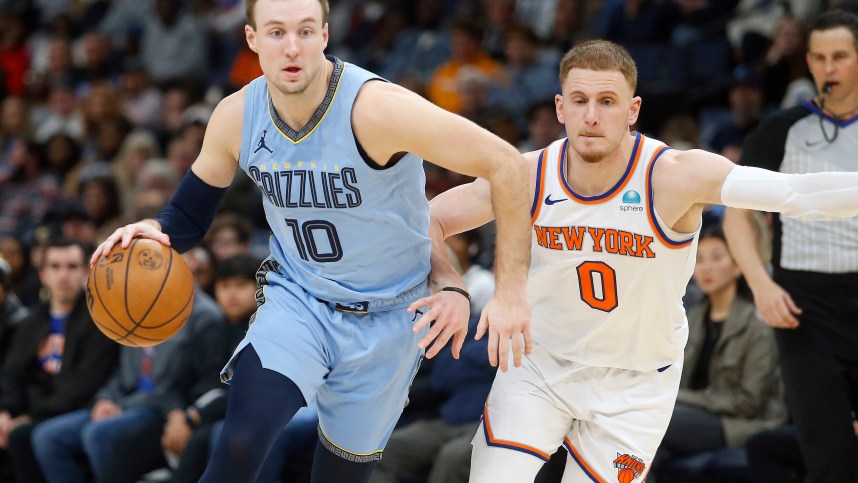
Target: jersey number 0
{"points": [[587, 274]]}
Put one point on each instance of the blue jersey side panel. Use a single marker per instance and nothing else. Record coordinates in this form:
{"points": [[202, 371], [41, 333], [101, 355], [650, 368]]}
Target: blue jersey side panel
{"points": [[341, 229]]}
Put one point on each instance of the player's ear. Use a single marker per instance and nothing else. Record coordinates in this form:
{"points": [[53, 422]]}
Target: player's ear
{"points": [[634, 110], [558, 108], [325, 36], [250, 36]]}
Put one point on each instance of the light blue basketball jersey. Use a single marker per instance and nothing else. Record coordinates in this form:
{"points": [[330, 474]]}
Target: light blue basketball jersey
{"points": [[343, 228]]}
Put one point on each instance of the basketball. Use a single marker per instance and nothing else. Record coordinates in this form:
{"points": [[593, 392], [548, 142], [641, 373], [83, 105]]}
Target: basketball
{"points": [[141, 295], [626, 475]]}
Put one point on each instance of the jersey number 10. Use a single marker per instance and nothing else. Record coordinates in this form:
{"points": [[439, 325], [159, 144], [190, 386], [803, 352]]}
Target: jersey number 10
{"points": [[305, 240]]}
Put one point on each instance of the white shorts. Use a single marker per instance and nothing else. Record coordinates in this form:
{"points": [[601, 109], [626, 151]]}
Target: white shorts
{"points": [[611, 421]]}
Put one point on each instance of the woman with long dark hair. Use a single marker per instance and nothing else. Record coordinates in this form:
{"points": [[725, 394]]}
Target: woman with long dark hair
{"points": [[730, 386]]}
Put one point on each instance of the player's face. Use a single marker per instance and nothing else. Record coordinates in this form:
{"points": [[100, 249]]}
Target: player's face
{"points": [[832, 57], [290, 40], [715, 269], [597, 108], [236, 296], [64, 272]]}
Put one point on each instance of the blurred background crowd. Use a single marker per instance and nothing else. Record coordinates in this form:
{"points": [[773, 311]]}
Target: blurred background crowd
{"points": [[104, 107]]}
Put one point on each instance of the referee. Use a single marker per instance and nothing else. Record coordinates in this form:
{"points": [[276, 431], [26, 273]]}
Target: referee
{"points": [[812, 298]]}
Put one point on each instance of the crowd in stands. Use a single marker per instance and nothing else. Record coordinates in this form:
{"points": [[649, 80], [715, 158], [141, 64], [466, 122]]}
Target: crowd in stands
{"points": [[104, 107]]}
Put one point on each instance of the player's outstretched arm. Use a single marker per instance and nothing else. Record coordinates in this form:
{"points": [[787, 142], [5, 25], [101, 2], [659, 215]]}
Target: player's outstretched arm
{"points": [[186, 219], [389, 119], [711, 178], [457, 210], [702, 177]]}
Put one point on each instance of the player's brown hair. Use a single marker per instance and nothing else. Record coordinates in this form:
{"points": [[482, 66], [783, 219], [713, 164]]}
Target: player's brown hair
{"points": [[250, 6], [600, 55]]}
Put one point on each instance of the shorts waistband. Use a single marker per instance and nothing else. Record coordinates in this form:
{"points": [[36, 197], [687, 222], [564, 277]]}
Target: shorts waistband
{"points": [[401, 301]]}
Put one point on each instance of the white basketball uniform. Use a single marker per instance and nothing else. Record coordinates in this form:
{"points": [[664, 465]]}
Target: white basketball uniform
{"points": [[606, 283]]}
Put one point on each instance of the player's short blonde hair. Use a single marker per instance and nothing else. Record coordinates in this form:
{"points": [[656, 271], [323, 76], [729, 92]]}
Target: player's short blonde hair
{"points": [[250, 6], [600, 55]]}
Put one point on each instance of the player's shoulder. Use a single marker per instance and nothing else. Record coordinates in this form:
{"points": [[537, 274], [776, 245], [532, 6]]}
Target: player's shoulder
{"points": [[231, 106], [229, 112], [376, 94]]}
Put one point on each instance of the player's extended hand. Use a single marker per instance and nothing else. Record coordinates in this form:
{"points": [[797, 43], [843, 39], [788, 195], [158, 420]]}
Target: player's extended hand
{"points": [[507, 320], [124, 235], [448, 313], [776, 307]]}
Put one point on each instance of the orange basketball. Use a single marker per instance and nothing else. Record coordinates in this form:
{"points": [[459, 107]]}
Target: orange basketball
{"points": [[141, 295], [626, 475]]}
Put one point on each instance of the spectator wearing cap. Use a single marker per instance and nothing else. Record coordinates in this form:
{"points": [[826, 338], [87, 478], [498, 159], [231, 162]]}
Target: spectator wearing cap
{"points": [[746, 110]]}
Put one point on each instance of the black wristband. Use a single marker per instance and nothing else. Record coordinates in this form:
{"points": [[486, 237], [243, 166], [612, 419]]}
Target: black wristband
{"points": [[457, 290]]}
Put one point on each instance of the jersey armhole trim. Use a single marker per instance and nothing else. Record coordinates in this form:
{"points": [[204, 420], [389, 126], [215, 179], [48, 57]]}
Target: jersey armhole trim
{"points": [[652, 216], [539, 187]]}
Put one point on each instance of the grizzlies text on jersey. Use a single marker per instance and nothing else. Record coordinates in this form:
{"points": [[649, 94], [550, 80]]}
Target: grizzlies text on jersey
{"points": [[322, 196]]}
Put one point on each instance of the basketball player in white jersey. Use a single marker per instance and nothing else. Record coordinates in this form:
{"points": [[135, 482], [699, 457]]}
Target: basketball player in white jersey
{"points": [[615, 219]]}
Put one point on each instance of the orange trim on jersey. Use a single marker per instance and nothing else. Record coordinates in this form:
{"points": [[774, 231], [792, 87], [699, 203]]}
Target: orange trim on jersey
{"points": [[591, 473], [492, 441], [539, 186], [650, 210], [617, 188]]}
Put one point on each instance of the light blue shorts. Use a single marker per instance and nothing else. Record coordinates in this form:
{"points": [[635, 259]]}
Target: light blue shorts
{"points": [[359, 366]]}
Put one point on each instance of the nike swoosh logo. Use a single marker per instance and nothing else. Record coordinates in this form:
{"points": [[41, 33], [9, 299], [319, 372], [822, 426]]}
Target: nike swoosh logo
{"points": [[811, 144], [549, 201]]}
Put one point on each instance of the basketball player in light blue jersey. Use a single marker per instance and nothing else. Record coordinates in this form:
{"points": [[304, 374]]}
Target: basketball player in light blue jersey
{"points": [[344, 305]]}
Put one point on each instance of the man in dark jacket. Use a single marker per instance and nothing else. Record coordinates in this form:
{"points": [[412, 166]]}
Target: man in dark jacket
{"points": [[57, 360], [121, 434]]}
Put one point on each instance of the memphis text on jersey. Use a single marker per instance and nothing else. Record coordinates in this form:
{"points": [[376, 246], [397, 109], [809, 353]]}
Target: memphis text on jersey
{"points": [[287, 185], [608, 240]]}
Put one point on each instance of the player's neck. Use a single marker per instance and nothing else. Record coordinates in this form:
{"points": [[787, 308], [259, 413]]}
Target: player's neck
{"points": [[589, 178], [297, 109]]}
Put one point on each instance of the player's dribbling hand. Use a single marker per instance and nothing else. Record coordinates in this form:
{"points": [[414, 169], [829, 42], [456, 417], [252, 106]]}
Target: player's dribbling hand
{"points": [[506, 318], [124, 235], [448, 313], [776, 307]]}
